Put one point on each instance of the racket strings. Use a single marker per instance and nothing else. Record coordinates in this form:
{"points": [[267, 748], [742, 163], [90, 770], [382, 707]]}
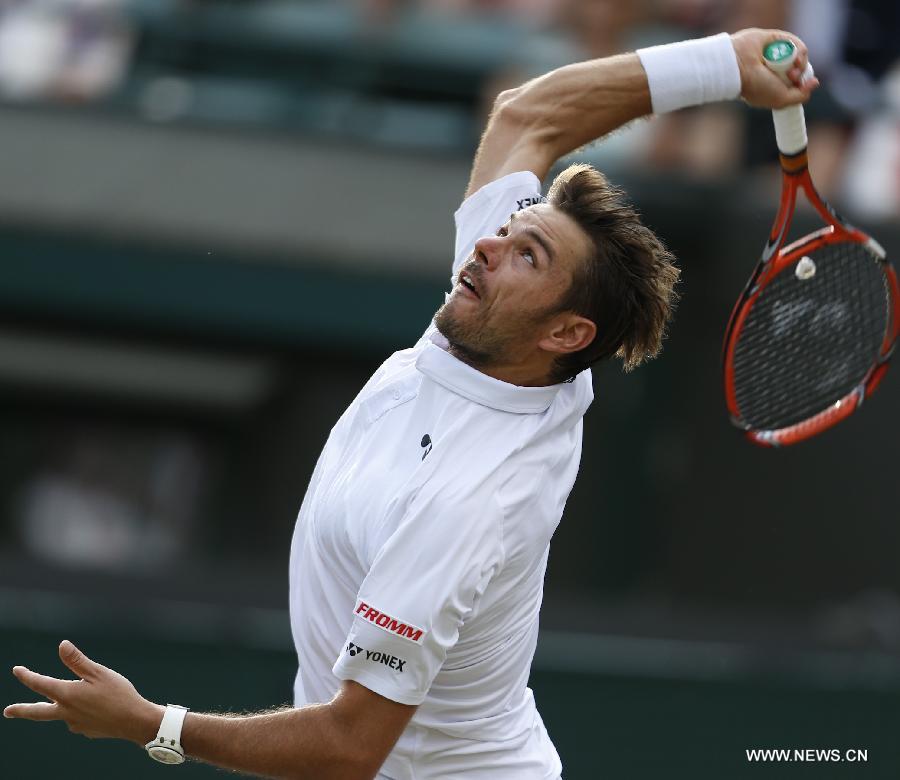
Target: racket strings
{"points": [[806, 343]]}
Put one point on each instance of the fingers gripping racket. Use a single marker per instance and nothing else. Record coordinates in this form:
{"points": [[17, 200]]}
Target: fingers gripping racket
{"points": [[811, 335]]}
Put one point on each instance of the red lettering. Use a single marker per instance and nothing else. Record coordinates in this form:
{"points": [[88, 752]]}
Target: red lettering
{"points": [[388, 623], [411, 633]]}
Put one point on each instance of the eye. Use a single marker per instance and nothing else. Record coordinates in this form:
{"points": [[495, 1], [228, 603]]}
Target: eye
{"points": [[527, 254]]}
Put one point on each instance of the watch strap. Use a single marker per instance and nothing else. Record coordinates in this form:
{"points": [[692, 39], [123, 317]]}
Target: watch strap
{"points": [[167, 748]]}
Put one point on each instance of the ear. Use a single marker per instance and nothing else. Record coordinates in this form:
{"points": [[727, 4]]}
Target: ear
{"points": [[569, 334]]}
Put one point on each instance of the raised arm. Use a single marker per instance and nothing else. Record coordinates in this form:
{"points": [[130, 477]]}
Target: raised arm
{"points": [[532, 126]]}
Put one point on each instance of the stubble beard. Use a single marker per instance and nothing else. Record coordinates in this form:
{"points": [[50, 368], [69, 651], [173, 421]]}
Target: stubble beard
{"points": [[480, 344], [471, 341]]}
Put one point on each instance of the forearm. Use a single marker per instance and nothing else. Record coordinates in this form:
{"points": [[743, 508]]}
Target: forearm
{"points": [[534, 125], [307, 742], [347, 739], [295, 743], [573, 105]]}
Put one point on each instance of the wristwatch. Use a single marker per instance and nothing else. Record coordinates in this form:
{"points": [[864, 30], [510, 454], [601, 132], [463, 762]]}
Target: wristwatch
{"points": [[166, 748]]}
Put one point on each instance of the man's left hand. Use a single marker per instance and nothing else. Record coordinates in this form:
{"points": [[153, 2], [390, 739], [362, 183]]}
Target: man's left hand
{"points": [[100, 704]]}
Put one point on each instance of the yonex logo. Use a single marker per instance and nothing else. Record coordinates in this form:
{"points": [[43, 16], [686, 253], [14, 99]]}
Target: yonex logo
{"points": [[376, 656], [525, 202], [426, 442], [389, 624]]}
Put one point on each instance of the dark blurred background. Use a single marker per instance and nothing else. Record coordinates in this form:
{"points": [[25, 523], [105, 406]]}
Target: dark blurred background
{"points": [[218, 217]]}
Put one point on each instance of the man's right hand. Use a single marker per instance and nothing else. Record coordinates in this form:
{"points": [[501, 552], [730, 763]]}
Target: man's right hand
{"points": [[760, 86]]}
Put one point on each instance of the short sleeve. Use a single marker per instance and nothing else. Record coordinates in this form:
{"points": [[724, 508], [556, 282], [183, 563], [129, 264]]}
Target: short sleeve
{"points": [[482, 213], [424, 583]]}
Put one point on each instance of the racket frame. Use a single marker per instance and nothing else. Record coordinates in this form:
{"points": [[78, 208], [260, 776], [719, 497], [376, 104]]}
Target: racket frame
{"points": [[776, 259]]}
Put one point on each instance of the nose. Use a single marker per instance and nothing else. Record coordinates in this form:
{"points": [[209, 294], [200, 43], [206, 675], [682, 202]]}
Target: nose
{"points": [[488, 250]]}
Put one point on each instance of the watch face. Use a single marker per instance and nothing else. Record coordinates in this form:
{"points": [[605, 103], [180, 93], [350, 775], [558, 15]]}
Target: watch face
{"points": [[165, 755]]}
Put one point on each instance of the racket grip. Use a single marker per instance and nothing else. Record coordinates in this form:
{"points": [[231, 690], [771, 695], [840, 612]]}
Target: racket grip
{"points": [[790, 122], [790, 129]]}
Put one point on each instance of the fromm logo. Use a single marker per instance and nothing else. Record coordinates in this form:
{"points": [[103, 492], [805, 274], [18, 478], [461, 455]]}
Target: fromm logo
{"points": [[389, 624]]}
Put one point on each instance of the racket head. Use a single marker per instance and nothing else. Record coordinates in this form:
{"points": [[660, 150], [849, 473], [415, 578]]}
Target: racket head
{"points": [[811, 336]]}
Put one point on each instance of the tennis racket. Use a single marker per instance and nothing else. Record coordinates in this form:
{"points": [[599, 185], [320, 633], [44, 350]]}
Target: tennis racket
{"points": [[812, 333]]}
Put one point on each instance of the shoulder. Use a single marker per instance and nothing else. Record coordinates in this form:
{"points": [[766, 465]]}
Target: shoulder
{"points": [[520, 189]]}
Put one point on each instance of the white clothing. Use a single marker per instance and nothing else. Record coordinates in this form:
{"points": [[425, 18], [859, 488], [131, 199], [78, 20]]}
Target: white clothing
{"points": [[420, 549]]}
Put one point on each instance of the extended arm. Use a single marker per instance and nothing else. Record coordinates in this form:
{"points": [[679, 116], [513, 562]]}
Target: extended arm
{"points": [[532, 126], [347, 739]]}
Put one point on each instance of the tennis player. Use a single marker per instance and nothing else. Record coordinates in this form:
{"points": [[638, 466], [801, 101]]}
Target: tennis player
{"points": [[417, 564]]}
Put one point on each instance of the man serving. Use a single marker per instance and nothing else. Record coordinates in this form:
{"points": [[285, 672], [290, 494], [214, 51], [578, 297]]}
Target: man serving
{"points": [[418, 558]]}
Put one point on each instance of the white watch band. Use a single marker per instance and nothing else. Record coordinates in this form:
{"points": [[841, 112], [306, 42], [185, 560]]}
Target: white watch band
{"points": [[166, 748]]}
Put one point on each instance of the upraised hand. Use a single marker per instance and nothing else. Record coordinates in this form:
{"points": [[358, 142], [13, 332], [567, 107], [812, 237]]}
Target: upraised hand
{"points": [[759, 85], [100, 704]]}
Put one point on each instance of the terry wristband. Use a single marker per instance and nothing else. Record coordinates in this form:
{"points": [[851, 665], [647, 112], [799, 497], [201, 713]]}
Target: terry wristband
{"points": [[689, 73]]}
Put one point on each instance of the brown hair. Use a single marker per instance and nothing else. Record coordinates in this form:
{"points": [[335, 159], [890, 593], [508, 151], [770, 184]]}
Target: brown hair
{"points": [[626, 287]]}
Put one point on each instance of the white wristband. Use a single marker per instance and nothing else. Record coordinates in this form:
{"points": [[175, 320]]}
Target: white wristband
{"points": [[691, 72]]}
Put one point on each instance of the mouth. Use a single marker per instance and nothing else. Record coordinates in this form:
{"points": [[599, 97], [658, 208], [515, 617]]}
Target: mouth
{"points": [[467, 283]]}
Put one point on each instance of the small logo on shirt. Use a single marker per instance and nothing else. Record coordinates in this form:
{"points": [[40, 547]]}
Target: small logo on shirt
{"points": [[426, 443], [389, 624], [526, 202], [376, 656]]}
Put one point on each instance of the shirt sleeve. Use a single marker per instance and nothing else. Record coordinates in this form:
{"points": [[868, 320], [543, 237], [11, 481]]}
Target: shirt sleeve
{"points": [[482, 213], [424, 583]]}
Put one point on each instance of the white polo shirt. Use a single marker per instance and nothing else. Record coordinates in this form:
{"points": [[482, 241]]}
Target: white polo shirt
{"points": [[418, 559]]}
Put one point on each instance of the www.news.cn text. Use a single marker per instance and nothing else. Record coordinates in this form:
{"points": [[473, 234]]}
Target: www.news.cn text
{"points": [[807, 755]]}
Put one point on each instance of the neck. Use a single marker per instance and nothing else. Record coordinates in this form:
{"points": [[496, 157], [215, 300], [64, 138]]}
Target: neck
{"points": [[528, 374]]}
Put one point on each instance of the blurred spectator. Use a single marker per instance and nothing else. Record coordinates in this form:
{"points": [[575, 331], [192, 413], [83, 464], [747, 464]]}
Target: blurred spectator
{"points": [[113, 501], [537, 12], [868, 83], [74, 50], [852, 47]]}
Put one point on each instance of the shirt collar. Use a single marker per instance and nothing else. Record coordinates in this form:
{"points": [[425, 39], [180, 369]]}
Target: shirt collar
{"points": [[440, 366]]}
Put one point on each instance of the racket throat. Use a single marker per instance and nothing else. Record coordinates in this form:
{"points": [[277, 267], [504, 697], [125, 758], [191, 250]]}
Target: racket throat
{"points": [[794, 164]]}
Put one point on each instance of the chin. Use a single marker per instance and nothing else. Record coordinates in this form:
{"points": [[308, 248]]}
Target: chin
{"points": [[468, 342], [446, 318]]}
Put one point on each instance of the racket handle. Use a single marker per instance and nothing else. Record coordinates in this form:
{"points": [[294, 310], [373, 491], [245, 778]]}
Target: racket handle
{"points": [[790, 122]]}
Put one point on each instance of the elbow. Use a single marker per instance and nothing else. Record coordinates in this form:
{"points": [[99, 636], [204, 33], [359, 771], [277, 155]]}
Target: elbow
{"points": [[351, 754], [526, 117], [353, 767], [348, 763], [513, 107], [505, 98], [359, 762], [353, 759]]}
